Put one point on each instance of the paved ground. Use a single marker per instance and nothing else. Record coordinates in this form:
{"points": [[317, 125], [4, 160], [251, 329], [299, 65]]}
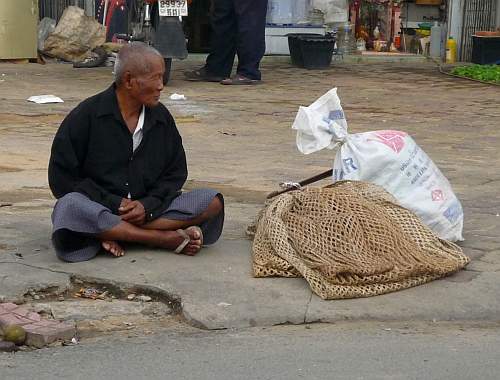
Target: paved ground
{"points": [[238, 140], [342, 351]]}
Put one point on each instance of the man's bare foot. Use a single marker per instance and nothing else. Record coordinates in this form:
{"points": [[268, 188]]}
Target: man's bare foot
{"points": [[173, 239], [113, 247], [195, 242]]}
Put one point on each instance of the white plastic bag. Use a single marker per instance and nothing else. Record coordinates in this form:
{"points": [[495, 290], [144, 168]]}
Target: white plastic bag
{"points": [[390, 159], [335, 11], [321, 125]]}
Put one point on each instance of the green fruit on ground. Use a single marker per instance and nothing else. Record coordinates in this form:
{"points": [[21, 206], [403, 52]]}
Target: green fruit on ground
{"points": [[15, 334]]}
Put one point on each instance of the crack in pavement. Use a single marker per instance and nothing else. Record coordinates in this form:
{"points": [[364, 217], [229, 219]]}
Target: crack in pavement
{"points": [[484, 250], [485, 261], [490, 181], [36, 267], [474, 270], [307, 307]]}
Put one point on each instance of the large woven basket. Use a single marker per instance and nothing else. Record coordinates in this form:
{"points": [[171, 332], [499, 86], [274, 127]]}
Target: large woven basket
{"points": [[349, 240]]}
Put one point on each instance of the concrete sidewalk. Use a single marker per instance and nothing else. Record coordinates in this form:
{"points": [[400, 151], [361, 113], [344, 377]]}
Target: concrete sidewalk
{"points": [[239, 141], [217, 291]]}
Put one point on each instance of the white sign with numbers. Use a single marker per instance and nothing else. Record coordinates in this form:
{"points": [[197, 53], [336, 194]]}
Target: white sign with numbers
{"points": [[174, 8]]}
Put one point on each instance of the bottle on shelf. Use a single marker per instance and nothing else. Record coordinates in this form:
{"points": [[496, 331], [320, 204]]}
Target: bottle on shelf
{"points": [[435, 48], [451, 50]]}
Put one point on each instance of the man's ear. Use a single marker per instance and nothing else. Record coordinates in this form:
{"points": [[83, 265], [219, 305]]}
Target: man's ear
{"points": [[127, 80]]}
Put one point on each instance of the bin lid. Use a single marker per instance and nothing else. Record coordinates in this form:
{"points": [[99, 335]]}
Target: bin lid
{"points": [[486, 33]]}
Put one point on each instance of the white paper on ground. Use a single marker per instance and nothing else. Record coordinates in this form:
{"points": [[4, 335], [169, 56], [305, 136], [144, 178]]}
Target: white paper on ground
{"points": [[177, 97], [42, 99]]}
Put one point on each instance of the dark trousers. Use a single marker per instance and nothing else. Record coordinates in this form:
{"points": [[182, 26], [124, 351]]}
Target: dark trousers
{"points": [[238, 27]]}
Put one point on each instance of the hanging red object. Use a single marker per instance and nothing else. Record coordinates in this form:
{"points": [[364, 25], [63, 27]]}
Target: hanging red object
{"points": [[113, 4]]}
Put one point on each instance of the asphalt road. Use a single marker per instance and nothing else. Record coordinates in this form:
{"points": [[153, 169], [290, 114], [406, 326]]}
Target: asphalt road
{"points": [[344, 351]]}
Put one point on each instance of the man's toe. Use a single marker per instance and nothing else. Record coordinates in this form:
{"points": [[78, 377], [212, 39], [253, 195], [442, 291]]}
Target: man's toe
{"points": [[195, 234], [193, 248], [190, 251]]}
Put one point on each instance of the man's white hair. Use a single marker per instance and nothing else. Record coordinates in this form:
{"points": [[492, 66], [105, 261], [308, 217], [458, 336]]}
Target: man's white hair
{"points": [[132, 58]]}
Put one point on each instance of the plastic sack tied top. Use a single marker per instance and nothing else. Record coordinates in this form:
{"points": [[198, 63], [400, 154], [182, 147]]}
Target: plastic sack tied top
{"points": [[387, 158], [321, 125]]}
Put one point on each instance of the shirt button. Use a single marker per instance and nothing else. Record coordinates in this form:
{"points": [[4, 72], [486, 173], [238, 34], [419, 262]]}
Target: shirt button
{"points": [[126, 183]]}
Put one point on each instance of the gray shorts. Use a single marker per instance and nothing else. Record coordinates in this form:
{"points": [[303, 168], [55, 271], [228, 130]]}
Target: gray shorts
{"points": [[76, 220]]}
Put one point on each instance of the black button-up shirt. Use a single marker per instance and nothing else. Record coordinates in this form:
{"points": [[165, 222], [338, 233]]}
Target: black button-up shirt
{"points": [[92, 154]]}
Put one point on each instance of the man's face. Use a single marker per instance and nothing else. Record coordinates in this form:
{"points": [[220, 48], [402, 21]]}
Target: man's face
{"points": [[146, 88]]}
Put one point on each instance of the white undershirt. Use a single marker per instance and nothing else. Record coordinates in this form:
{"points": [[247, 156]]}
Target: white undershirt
{"points": [[137, 136]]}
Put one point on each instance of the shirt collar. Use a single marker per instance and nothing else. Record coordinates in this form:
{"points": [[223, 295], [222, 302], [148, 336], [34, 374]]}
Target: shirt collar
{"points": [[140, 122], [108, 105]]}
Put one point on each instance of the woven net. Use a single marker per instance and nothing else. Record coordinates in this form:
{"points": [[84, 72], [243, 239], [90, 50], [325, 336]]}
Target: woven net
{"points": [[349, 240]]}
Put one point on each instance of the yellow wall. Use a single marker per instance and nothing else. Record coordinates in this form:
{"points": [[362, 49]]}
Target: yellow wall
{"points": [[18, 29]]}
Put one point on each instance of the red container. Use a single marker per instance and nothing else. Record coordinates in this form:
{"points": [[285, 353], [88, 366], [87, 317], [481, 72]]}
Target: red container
{"points": [[397, 41]]}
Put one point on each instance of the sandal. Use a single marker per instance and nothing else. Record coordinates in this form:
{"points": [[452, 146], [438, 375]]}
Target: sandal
{"points": [[187, 238], [239, 80], [201, 75]]}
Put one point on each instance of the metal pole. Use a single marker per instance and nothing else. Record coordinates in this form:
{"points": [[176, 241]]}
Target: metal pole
{"points": [[105, 12]]}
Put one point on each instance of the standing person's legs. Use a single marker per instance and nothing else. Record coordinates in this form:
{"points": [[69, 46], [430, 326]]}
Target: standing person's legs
{"points": [[224, 38], [251, 44], [219, 63]]}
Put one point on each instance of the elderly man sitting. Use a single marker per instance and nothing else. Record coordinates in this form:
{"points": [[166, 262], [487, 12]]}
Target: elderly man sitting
{"points": [[117, 168]]}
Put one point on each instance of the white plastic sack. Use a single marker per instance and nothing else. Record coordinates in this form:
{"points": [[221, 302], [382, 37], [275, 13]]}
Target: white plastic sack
{"points": [[335, 11], [388, 158], [318, 125]]}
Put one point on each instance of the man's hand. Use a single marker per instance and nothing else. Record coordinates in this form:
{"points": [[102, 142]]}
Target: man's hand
{"points": [[124, 202], [133, 212]]}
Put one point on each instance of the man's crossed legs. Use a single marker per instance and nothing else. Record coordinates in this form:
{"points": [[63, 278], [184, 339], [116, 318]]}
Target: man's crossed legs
{"points": [[81, 227], [162, 232]]}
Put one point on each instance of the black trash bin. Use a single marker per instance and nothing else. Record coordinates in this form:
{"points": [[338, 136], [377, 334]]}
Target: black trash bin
{"points": [[486, 50], [294, 47], [316, 51]]}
